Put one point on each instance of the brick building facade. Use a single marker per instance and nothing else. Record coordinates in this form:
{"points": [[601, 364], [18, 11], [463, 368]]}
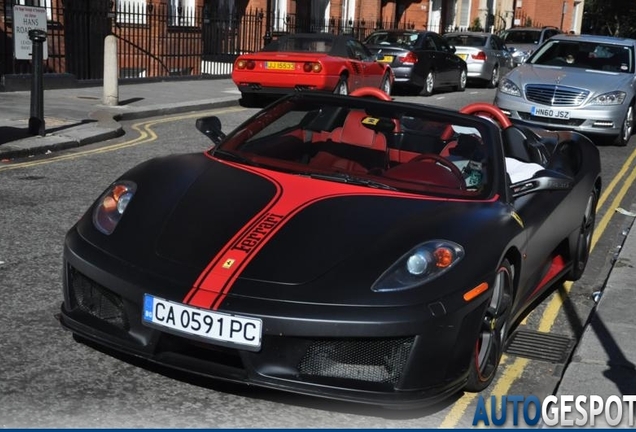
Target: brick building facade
{"points": [[193, 37]]}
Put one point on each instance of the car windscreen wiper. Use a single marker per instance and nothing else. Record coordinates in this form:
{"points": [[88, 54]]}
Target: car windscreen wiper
{"points": [[346, 178]]}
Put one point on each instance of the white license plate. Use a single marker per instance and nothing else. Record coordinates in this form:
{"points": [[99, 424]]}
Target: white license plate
{"points": [[221, 328], [550, 112]]}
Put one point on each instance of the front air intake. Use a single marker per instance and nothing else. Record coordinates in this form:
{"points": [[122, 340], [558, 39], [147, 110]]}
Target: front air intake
{"points": [[370, 360], [91, 298]]}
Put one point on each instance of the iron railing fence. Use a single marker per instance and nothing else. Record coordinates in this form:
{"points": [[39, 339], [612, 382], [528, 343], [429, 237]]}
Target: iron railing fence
{"points": [[159, 40]]}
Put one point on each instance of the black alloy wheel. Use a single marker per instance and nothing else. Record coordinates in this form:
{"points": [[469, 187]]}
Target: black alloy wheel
{"points": [[581, 252], [489, 346]]}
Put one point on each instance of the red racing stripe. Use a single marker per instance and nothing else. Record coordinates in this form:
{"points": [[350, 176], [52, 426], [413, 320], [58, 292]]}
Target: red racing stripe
{"points": [[293, 194]]}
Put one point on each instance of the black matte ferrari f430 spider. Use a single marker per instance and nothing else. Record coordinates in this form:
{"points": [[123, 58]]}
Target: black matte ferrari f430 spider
{"points": [[349, 247]]}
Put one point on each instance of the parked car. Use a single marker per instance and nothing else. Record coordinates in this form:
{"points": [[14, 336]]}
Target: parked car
{"points": [[422, 61], [522, 41], [299, 62], [486, 55], [584, 83], [354, 248]]}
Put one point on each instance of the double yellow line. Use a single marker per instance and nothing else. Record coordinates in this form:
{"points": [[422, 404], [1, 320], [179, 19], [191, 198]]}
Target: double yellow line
{"points": [[513, 371], [146, 135]]}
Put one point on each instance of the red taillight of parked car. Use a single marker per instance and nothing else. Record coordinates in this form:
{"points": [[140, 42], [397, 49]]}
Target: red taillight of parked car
{"points": [[245, 64], [409, 58], [481, 56], [312, 67]]}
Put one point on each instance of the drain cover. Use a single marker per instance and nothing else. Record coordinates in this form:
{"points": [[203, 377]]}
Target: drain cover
{"points": [[540, 346]]}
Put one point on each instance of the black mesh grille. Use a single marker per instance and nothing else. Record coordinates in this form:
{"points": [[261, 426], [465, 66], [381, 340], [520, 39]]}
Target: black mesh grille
{"points": [[371, 360], [554, 95], [91, 298]]}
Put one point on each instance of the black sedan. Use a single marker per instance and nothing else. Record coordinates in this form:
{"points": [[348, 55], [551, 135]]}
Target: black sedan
{"points": [[422, 61], [346, 247]]}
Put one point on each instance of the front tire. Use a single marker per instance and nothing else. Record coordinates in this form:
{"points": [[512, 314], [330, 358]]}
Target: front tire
{"points": [[463, 78], [385, 86], [581, 252], [429, 84], [489, 346], [627, 128], [494, 78]]}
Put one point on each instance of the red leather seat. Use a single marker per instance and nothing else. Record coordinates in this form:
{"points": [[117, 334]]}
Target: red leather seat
{"points": [[353, 132], [352, 147]]}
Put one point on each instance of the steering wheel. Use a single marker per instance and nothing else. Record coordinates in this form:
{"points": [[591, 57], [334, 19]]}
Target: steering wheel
{"points": [[445, 163], [489, 111], [371, 91]]}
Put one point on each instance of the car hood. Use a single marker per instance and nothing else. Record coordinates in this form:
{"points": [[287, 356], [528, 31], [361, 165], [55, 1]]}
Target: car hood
{"points": [[597, 82], [280, 235], [253, 233]]}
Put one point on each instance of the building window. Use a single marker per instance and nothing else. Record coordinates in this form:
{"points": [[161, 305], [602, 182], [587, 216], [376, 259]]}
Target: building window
{"points": [[464, 15], [131, 11], [348, 15], [280, 15], [182, 13]]}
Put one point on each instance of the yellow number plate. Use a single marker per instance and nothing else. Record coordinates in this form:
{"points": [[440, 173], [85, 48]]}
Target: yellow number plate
{"points": [[279, 65], [462, 56], [386, 59]]}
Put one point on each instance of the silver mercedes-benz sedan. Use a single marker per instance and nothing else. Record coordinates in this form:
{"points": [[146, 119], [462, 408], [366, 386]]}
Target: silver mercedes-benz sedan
{"points": [[578, 82]]}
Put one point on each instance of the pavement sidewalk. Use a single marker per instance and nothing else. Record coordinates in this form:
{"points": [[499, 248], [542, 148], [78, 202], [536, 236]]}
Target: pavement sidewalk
{"points": [[76, 116], [605, 358]]}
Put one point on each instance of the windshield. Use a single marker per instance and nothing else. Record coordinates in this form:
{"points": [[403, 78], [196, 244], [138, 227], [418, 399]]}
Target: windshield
{"points": [[585, 55], [521, 36], [466, 40], [392, 38], [370, 143], [300, 43]]}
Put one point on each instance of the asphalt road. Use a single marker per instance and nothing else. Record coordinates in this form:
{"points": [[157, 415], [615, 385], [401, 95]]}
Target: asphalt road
{"points": [[49, 380]]}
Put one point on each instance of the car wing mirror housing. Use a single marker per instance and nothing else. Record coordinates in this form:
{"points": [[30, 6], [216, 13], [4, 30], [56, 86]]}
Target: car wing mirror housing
{"points": [[544, 180], [211, 128]]}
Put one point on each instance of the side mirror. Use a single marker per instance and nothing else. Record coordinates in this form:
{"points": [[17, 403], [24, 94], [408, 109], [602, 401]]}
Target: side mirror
{"points": [[544, 180], [211, 128]]}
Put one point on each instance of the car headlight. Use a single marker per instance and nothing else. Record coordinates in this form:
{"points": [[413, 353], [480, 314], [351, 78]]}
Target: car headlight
{"points": [[508, 87], [421, 264], [112, 205], [611, 98]]}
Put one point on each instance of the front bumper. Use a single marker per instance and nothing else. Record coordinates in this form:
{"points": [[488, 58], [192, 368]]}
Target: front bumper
{"points": [[403, 357], [596, 120]]}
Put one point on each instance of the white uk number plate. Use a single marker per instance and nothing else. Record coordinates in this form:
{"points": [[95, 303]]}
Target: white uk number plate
{"points": [[550, 112], [214, 326]]}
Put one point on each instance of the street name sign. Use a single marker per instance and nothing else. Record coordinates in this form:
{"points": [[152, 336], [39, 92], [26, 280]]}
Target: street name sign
{"points": [[27, 18]]}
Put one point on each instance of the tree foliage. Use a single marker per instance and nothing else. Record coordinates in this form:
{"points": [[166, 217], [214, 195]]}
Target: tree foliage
{"points": [[610, 17]]}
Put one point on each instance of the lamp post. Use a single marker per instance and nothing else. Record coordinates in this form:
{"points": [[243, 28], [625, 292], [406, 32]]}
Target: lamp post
{"points": [[36, 121]]}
